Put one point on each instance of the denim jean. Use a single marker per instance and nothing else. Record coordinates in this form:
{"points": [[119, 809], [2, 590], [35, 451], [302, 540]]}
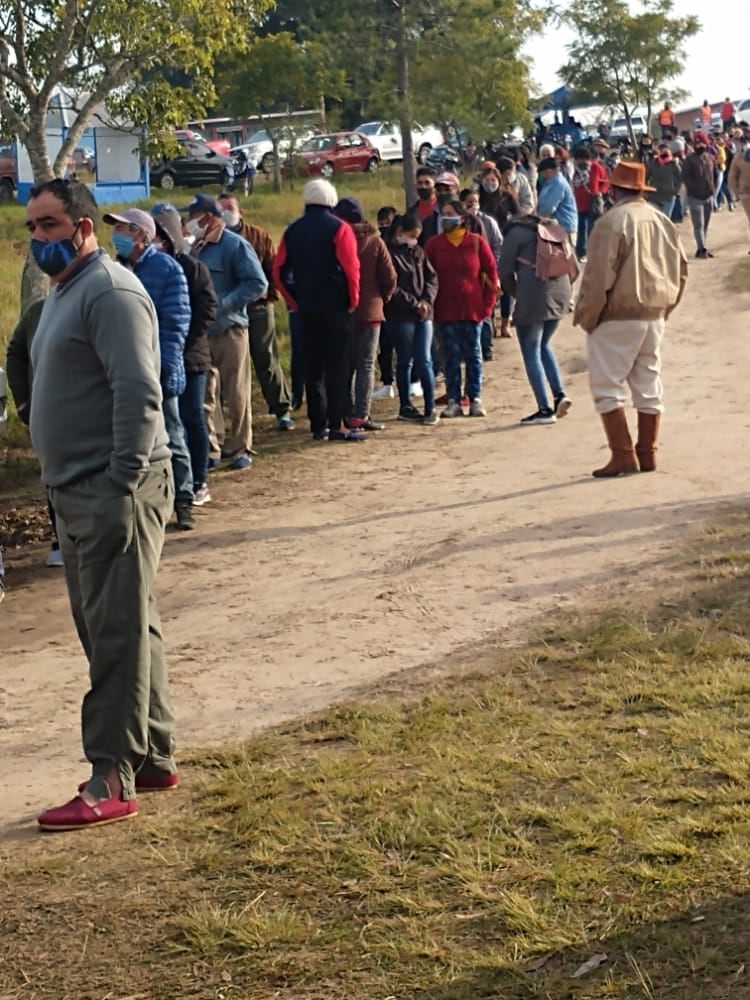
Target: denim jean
{"points": [[700, 215], [506, 305], [539, 360], [364, 346], [724, 192], [414, 353], [717, 192], [298, 357], [462, 342], [667, 207], [193, 417], [487, 336], [181, 468], [586, 222], [678, 212]]}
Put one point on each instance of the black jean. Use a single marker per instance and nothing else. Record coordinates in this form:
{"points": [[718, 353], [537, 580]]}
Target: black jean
{"points": [[326, 336], [385, 353]]}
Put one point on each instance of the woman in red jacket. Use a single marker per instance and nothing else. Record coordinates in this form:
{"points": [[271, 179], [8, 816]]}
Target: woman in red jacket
{"points": [[590, 184], [467, 289]]}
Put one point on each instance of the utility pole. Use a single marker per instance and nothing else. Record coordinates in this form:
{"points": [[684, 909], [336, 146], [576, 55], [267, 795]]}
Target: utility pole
{"points": [[404, 102]]}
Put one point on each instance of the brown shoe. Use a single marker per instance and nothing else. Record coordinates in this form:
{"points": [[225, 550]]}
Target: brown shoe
{"points": [[623, 461], [648, 431], [505, 330]]}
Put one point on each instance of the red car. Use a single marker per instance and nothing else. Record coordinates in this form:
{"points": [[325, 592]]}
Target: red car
{"points": [[336, 153]]}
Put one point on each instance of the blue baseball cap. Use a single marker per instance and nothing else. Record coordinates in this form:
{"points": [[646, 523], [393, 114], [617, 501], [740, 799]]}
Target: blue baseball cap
{"points": [[202, 204]]}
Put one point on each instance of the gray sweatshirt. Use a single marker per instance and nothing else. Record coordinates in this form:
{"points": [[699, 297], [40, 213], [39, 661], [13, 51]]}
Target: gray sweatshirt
{"points": [[96, 404]]}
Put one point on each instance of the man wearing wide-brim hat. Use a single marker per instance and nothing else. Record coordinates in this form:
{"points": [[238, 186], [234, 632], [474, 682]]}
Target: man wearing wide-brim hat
{"points": [[634, 279]]}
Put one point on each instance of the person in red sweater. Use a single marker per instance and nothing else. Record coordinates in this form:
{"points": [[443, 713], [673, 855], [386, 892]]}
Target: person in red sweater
{"points": [[590, 184], [467, 289]]}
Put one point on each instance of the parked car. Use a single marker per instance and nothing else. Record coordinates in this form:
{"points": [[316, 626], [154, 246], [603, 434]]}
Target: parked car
{"points": [[83, 158], [259, 147], [196, 166], [8, 171], [218, 145], [716, 123], [743, 110], [619, 129], [336, 153], [386, 138]]}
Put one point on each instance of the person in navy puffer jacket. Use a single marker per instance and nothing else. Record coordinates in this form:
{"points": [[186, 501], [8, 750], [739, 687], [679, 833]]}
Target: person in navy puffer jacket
{"points": [[133, 234]]}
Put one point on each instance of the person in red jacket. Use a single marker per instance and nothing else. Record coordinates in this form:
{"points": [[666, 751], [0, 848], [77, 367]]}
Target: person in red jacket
{"points": [[467, 289], [590, 184]]}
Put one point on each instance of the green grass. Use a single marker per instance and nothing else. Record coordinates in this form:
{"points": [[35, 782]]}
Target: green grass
{"points": [[480, 836]]}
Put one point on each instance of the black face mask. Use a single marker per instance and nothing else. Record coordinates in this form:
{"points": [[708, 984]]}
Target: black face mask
{"points": [[444, 198], [384, 230], [424, 194]]}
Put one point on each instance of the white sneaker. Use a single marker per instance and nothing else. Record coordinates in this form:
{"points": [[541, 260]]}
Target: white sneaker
{"points": [[415, 389], [476, 409], [384, 392], [55, 559], [453, 409], [201, 496]]}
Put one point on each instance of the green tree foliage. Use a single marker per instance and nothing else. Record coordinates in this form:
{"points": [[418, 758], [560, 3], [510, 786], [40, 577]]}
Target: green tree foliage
{"points": [[275, 76], [119, 50], [625, 59]]}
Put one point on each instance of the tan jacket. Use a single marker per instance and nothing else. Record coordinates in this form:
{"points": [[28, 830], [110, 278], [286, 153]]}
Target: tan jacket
{"points": [[636, 267], [739, 175]]}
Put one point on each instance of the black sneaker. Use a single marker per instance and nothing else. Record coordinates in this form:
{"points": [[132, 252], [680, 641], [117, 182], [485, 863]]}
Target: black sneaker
{"points": [[487, 355], [185, 516], [410, 413], [540, 417], [562, 405], [701, 254]]}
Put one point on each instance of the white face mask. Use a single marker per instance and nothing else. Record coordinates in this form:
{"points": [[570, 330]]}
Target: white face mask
{"points": [[473, 209], [231, 217], [196, 229], [491, 184]]}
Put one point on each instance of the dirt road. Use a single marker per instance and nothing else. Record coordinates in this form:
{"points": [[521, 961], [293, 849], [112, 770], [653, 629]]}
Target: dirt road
{"points": [[315, 575]]}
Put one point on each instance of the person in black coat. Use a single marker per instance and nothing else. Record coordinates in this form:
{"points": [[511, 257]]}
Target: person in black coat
{"points": [[197, 353]]}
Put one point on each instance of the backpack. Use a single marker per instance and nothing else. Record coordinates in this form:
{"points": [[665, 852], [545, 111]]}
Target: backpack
{"points": [[554, 253]]}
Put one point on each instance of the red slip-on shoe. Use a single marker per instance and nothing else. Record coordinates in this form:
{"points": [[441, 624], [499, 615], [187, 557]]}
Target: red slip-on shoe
{"points": [[77, 815], [442, 400], [154, 781]]}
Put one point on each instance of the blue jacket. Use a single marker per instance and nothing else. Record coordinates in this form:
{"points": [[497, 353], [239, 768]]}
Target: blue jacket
{"points": [[556, 201], [237, 278], [317, 265], [165, 282]]}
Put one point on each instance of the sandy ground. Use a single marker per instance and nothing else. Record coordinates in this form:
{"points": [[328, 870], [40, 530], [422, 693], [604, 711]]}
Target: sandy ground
{"points": [[315, 575]]}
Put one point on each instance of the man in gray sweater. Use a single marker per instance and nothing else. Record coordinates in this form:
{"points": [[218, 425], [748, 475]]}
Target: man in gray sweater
{"points": [[98, 429]]}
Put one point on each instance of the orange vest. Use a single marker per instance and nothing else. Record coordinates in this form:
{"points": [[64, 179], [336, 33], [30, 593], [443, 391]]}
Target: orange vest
{"points": [[706, 114], [666, 116]]}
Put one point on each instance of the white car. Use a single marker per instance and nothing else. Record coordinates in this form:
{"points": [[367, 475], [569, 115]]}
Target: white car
{"points": [[259, 148], [743, 110], [619, 130], [3, 402], [386, 138]]}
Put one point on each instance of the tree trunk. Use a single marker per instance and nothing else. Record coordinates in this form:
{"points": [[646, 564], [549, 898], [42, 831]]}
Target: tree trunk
{"points": [[34, 283], [276, 162], [404, 108]]}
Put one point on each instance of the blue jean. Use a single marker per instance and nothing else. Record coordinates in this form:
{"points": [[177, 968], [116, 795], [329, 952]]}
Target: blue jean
{"points": [[700, 215], [181, 468], [414, 348], [462, 343], [666, 206], [539, 360], [586, 222], [193, 417], [298, 357], [487, 336]]}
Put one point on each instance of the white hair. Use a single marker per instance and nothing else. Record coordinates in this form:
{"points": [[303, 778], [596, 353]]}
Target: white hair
{"points": [[546, 151], [320, 192]]}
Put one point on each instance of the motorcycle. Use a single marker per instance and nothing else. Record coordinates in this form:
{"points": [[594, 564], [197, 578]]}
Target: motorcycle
{"points": [[443, 158], [244, 173]]}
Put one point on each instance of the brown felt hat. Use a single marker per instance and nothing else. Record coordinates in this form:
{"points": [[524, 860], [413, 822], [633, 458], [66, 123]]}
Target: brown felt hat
{"points": [[630, 176]]}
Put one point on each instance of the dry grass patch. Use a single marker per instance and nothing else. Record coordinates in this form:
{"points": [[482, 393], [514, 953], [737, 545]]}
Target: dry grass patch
{"points": [[566, 820]]}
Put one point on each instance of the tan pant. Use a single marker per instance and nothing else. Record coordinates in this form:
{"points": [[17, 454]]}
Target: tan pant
{"points": [[229, 381], [745, 199], [626, 351]]}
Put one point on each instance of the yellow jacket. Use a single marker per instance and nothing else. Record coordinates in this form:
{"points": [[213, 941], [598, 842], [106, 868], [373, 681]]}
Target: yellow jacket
{"points": [[739, 174], [636, 267]]}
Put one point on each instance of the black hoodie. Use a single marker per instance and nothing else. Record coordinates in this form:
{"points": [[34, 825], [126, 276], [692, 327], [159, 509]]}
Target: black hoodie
{"points": [[200, 288]]}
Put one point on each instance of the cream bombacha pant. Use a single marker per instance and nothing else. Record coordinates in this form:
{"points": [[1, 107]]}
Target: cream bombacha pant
{"points": [[626, 353]]}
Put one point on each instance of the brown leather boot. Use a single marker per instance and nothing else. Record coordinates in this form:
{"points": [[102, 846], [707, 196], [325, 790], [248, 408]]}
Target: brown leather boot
{"points": [[623, 461], [505, 330], [648, 431]]}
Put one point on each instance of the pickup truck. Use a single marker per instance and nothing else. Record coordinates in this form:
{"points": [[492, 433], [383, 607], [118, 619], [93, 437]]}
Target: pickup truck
{"points": [[386, 138]]}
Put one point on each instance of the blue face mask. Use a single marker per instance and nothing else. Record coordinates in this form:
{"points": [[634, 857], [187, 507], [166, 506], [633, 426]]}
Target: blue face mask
{"points": [[124, 245], [449, 222], [54, 257]]}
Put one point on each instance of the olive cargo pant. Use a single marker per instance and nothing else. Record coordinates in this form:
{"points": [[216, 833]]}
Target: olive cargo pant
{"points": [[111, 544]]}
